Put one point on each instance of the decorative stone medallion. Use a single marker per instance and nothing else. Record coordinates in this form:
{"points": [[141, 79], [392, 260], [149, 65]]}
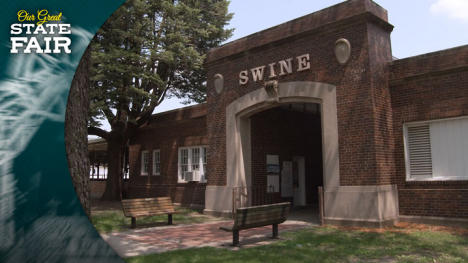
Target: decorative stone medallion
{"points": [[342, 51], [219, 83]]}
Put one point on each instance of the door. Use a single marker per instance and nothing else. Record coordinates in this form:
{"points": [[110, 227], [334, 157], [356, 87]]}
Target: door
{"points": [[299, 180]]}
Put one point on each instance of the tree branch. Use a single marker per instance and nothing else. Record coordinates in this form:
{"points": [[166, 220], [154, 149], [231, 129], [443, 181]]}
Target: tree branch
{"points": [[108, 113], [98, 132]]}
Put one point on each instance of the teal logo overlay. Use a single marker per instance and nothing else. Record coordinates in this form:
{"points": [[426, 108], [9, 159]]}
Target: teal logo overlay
{"points": [[41, 36], [41, 44]]}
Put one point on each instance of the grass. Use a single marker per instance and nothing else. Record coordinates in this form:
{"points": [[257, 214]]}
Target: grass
{"points": [[331, 244], [115, 221]]}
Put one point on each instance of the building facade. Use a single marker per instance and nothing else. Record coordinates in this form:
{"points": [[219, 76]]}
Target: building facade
{"points": [[318, 101], [169, 147]]}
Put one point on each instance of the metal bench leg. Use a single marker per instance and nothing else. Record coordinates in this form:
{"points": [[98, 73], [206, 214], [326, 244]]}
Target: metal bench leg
{"points": [[133, 223], [275, 231], [235, 238], [169, 219]]}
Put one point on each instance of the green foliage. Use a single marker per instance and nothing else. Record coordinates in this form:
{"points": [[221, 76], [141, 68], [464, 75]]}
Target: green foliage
{"points": [[152, 48]]}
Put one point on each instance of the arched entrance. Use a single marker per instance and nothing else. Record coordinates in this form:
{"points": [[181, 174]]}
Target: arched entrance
{"points": [[238, 128], [238, 135]]}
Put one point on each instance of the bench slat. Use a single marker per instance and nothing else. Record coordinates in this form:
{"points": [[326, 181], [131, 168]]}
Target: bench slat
{"points": [[263, 207], [274, 212], [258, 220], [148, 203], [148, 206], [249, 217], [146, 199], [261, 221], [258, 216], [154, 208], [132, 212], [130, 201], [240, 214], [262, 217]]}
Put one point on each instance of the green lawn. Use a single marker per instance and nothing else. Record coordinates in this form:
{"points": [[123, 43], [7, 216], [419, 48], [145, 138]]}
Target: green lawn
{"points": [[115, 221], [330, 244]]}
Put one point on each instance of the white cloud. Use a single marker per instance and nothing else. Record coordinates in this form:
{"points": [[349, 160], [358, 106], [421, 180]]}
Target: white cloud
{"points": [[455, 9]]}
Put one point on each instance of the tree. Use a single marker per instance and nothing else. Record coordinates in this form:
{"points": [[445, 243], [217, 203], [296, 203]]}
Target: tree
{"points": [[76, 133], [148, 50]]}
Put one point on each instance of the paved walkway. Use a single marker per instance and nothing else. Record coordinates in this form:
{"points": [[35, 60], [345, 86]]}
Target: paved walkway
{"points": [[161, 239]]}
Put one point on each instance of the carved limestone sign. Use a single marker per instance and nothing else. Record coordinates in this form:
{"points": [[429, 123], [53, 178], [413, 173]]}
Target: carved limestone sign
{"points": [[283, 67]]}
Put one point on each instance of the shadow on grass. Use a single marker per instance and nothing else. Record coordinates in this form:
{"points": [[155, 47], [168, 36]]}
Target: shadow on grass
{"points": [[115, 221], [325, 244]]}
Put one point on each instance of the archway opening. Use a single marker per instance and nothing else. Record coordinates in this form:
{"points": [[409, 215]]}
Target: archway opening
{"points": [[226, 199], [286, 155]]}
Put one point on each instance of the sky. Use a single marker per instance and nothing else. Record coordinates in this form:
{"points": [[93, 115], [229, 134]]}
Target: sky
{"points": [[420, 26]]}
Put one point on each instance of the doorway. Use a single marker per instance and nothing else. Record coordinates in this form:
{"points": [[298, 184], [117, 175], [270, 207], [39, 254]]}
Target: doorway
{"points": [[239, 166], [299, 184], [286, 154]]}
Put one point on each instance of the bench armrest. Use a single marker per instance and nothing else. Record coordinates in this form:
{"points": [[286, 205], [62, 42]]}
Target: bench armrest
{"points": [[229, 229]]}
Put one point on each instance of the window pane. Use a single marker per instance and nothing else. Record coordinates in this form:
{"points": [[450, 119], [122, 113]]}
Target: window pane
{"points": [[145, 162], [183, 163], [204, 154], [157, 162], [447, 139], [195, 159], [184, 156]]}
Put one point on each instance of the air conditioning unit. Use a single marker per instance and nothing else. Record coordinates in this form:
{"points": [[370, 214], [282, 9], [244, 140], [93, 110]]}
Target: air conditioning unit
{"points": [[192, 176]]}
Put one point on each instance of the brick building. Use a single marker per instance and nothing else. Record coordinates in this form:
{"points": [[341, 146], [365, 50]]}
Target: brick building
{"points": [[318, 101]]}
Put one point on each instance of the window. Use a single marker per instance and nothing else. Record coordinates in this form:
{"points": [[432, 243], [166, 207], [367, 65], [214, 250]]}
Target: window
{"points": [[144, 162], [156, 162], [204, 159], [437, 150], [195, 159], [190, 161], [184, 160]]}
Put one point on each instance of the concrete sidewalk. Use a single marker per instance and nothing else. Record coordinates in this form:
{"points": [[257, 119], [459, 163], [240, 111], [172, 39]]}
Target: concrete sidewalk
{"points": [[161, 239]]}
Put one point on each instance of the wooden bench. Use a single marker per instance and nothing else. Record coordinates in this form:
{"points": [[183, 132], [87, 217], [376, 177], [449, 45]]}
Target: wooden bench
{"points": [[148, 207], [258, 216]]}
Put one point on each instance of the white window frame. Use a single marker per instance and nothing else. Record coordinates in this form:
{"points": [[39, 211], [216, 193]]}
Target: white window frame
{"points": [[154, 162], [407, 160], [190, 162], [143, 163]]}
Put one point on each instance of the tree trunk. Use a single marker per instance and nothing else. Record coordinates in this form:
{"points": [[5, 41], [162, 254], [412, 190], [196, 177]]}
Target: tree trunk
{"points": [[76, 134], [113, 190]]}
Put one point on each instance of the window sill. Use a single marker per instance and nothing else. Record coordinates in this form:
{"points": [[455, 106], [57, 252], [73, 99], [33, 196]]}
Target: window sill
{"points": [[438, 179], [186, 182]]}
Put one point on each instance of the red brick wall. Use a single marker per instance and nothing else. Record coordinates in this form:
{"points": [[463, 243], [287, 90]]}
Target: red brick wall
{"points": [[167, 132], [98, 188], [364, 113], [287, 133], [186, 194], [418, 96], [299, 26], [379, 56]]}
